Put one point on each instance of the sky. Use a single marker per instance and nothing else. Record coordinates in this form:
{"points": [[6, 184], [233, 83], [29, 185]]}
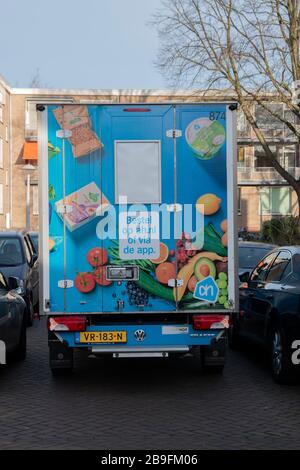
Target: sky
{"points": [[80, 43]]}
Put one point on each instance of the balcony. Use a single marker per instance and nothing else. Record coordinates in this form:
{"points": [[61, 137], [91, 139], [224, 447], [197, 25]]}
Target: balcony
{"points": [[253, 176]]}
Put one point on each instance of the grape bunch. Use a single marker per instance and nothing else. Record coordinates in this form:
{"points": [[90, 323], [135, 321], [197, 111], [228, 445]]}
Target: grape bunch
{"points": [[223, 289], [184, 250], [137, 296]]}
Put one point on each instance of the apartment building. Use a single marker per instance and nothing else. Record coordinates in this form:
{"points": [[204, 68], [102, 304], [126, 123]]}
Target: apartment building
{"points": [[262, 193], [5, 143]]}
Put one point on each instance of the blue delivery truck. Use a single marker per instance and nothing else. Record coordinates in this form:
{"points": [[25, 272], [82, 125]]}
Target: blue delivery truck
{"points": [[137, 229]]}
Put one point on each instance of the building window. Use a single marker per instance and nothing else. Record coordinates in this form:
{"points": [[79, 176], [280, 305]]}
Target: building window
{"points": [[239, 201], [1, 199], [35, 200], [6, 133], [287, 156], [292, 118], [243, 127], [31, 116], [241, 156], [1, 113], [275, 200], [260, 158], [290, 156], [271, 126], [1, 152]]}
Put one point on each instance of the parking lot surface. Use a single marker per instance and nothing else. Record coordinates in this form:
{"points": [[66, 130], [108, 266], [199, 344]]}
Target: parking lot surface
{"points": [[144, 404]]}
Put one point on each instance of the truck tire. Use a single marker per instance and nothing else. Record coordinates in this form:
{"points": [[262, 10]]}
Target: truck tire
{"points": [[20, 352], [29, 312], [234, 339], [283, 371]]}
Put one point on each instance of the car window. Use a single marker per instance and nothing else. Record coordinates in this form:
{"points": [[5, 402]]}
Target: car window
{"points": [[261, 270], [249, 256], [11, 253], [28, 250], [3, 284], [296, 266], [35, 242], [280, 268]]}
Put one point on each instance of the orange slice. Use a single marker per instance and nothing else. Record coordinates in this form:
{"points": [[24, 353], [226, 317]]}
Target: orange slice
{"points": [[163, 256]]}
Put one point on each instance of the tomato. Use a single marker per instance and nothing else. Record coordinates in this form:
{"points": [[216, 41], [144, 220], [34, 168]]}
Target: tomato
{"points": [[97, 257], [100, 276], [84, 282]]}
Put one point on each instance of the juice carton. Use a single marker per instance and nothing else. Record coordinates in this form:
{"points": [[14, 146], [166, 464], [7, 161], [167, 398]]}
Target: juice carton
{"points": [[76, 119], [82, 206]]}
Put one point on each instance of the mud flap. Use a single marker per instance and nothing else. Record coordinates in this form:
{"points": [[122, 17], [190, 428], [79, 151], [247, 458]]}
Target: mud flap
{"points": [[215, 353], [60, 355]]}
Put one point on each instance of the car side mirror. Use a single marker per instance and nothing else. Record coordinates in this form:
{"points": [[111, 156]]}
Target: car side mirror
{"points": [[13, 283]]}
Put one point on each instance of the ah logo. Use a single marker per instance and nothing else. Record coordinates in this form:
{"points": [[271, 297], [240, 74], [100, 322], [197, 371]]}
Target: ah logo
{"points": [[207, 290], [2, 352]]}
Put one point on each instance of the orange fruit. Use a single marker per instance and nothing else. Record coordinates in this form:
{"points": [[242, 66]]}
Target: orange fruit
{"points": [[208, 204], [224, 225], [163, 254], [165, 271], [225, 239]]}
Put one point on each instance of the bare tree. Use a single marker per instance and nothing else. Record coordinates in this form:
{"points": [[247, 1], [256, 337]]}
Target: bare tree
{"points": [[35, 81], [248, 46]]}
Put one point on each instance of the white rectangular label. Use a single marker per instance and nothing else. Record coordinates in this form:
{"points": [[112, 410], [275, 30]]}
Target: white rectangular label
{"points": [[174, 330], [139, 235]]}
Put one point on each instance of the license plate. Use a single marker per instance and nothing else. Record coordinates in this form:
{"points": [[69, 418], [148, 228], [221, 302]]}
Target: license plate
{"points": [[103, 337]]}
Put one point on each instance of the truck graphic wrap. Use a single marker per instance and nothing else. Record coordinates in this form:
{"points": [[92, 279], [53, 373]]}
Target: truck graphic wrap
{"points": [[137, 209]]}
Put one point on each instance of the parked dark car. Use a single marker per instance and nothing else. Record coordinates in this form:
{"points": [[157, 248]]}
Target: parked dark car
{"points": [[18, 259], [250, 253], [270, 310], [13, 318], [34, 240]]}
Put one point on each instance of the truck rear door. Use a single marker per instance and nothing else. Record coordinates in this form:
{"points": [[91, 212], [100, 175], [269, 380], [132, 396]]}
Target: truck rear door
{"points": [[138, 171], [75, 203], [203, 183]]}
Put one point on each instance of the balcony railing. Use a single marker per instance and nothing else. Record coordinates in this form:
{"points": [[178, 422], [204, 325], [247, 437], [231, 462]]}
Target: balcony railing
{"points": [[263, 175]]}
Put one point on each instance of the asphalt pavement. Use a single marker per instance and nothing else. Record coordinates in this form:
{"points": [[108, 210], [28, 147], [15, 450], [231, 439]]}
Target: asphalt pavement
{"points": [[144, 404]]}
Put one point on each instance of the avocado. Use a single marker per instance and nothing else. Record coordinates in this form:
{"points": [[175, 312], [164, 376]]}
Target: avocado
{"points": [[204, 268]]}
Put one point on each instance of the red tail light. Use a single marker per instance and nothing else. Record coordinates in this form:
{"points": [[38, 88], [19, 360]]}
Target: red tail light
{"points": [[67, 323], [210, 322]]}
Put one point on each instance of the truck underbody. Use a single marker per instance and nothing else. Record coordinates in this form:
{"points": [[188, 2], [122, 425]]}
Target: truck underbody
{"points": [[202, 337]]}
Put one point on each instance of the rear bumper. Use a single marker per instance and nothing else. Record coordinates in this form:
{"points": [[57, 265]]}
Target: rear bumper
{"points": [[179, 338]]}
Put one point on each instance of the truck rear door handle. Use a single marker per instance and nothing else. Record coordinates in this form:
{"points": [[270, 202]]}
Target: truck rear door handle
{"points": [[251, 294], [270, 297]]}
